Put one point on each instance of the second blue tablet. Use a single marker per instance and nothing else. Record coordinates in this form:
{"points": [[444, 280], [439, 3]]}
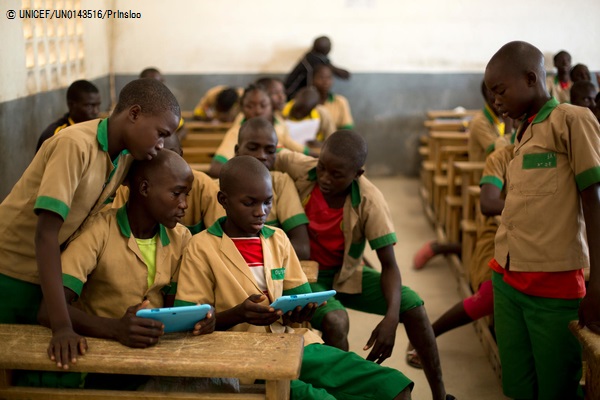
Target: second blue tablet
{"points": [[176, 319], [288, 303]]}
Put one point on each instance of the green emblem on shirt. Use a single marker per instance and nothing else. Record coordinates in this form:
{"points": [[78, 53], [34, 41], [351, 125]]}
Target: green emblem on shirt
{"points": [[539, 160], [278, 274]]}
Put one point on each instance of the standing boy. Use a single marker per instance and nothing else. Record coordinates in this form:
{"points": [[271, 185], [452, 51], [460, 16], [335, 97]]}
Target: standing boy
{"points": [[540, 250], [559, 85], [71, 177], [240, 266]]}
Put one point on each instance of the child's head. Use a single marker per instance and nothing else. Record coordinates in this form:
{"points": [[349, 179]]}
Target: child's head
{"points": [[246, 194], [340, 162], [256, 103], [174, 144], [322, 45], [305, 100], [227, 105], [152, 73], [323, 78], [160, 187], [516, 77], [597, 108], [562, 62], [276, 91], [580, 73], [257, 138], [583, 94], [83, 100], [151, 113]]}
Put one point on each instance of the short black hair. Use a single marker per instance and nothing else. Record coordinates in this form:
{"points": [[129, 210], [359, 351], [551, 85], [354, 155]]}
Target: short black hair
{"points": [[148, 72], [267, 81], [78, 87], [561, 53], [580, 87], [226, 99], [317, 68], [151, 95], [348, 145], [165, 160], [578, 67], [255, 124], [253, 88], [241, 168]]}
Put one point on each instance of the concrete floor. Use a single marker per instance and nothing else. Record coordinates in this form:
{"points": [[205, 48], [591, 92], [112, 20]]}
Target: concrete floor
{"points": [[467, 371]]}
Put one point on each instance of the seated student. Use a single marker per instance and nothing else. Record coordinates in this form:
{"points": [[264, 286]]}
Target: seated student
{"points": [[257, 138], [345, 210], [132, 253], [302, 73], [203, 208], [276, 91], [308, 121], [255, 102], [240, 266], [481, 304], [220, 103], [583, 94], [336, 104], [559, 85], [70, 178], [580, 72], [83, 101]]}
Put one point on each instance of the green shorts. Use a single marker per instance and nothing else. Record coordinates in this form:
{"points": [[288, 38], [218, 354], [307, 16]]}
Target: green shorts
{"points": [[330, 373], [371, 299], [540, 357]]}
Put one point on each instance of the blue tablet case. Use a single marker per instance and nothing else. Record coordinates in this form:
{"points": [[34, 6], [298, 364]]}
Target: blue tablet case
{"points": [[176, 319], [288, 303]]}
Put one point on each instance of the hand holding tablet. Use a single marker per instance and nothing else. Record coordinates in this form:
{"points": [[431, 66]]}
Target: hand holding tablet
{"points": [[289, 303], [176, 319]]}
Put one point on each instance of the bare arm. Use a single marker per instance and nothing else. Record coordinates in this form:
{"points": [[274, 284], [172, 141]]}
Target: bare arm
{"points": [[589, 309], [248, 312], [491, 200], [300, 242], [340, 72]]}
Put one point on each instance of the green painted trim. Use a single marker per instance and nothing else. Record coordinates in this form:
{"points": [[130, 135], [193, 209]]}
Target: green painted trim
{"points": [[278, 274], [355, 193], [69, 281], [102, 134], [383, 241], [170, 289], [194, 229], [545, 111], [51, 204], [587, 178], [491, 180], [356, 249], [183, 303], [302, 289], [293, 222], [490, 149], [220, 158], [539, 160]]}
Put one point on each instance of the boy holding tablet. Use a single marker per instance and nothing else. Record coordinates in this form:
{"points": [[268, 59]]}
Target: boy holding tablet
{"points": [[240, 266]]}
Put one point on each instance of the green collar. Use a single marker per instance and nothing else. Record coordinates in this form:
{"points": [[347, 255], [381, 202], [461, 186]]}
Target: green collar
{"points": [[354, 187], [123, 222], [102, 134], [545, 111], [490, 115], [216, 229], [330, 97]]}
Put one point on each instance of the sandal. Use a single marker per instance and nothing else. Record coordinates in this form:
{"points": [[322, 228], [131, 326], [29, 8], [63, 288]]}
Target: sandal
{"points": [[423, 255], [413, 359]]}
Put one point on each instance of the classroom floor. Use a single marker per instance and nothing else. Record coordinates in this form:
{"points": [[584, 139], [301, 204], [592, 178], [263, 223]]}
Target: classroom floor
{"points": [[467, 371]]}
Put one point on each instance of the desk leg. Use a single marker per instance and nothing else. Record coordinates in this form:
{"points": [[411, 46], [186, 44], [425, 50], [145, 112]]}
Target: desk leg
{"points": [[277, 390]]}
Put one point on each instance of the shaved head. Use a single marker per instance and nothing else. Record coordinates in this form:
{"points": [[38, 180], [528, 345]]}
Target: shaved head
{"points": [[253, 126], [519, 58], [166, 165], [241, 170], [347, 145]]}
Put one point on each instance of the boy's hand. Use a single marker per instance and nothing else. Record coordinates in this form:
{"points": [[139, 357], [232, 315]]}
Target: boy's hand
{"points": [[133, 331], [256, 314], [382, 340], [299, 314], [64, 347], [207, 325]]}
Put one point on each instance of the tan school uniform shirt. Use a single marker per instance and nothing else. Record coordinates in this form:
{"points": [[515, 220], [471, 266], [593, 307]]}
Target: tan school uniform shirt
{"points": [[555, 90], [486, 132], [366, 217], [71, 175], [542, 225], [206, 107], [339, 109]]}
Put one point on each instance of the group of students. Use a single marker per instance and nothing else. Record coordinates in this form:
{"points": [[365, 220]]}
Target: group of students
{"points": [[81, 253]]}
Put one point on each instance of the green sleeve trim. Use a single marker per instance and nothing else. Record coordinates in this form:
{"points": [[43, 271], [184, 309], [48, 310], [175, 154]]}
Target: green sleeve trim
{"points": [[69, 281], [306, 151], [199, 227], [588, 178], [183, 303], [220, 159], [292, 222], [492, 180], [170, 289], [347, 126], [383, 241], [304, 288], [357, 249], [51, 204], [490, 148]]}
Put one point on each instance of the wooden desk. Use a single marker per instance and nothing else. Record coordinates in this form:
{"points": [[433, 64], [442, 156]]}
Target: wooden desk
{"points": [[193, 125], [460, 125], [276, 358], [435, 114]]}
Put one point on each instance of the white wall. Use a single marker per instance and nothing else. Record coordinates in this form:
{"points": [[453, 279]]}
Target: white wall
{"points": [[236, 36]]}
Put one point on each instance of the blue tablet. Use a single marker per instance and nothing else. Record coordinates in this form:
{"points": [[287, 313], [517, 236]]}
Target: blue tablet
{"points": [[288, 303], [176, 319]]}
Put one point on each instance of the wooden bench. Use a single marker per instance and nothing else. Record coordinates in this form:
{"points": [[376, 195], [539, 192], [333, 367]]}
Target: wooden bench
{"points": [[438, 114], [204, 139], [275, 358], [452, 125]]}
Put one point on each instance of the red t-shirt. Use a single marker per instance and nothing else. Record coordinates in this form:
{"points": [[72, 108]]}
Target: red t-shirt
{"points": [[251, 251], [325, 231], [554, 285]]}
